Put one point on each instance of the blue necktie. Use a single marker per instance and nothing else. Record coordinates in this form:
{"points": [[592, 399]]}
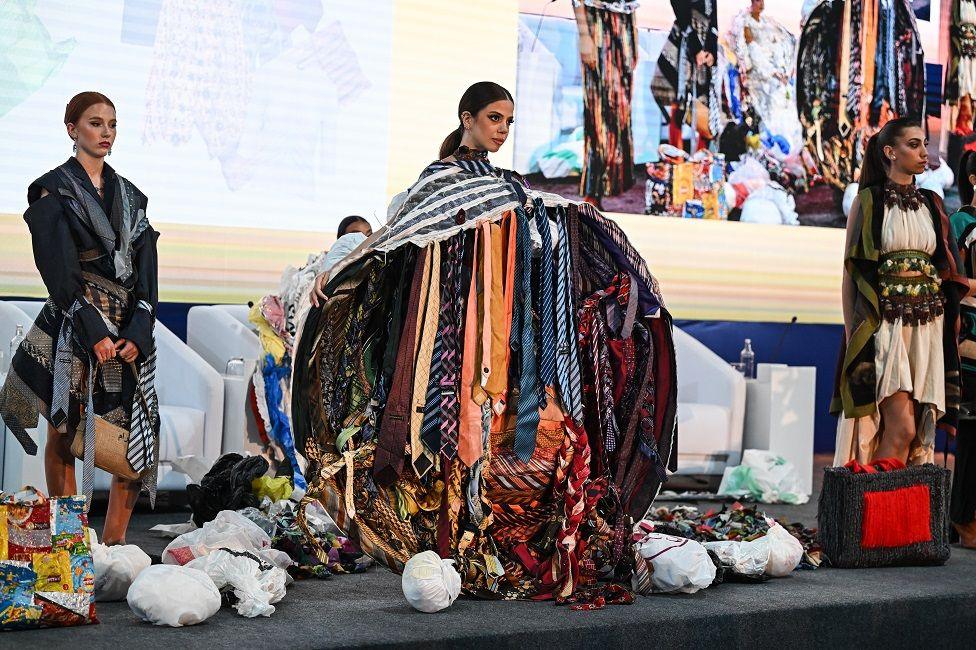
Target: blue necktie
{"points": [[547, 333], [567, 358], [527, 419]]}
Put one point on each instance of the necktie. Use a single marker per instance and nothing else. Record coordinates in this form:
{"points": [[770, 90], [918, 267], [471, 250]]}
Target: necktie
{"points": [[395, 427], [547, 334], [567, 358], [420, 455], [485, 305], [503, 296], [452, 309], [469, 433], [527, 420]]}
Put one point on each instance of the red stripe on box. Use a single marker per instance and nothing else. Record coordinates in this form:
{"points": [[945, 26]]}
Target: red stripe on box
{"points": [[896, 517]]}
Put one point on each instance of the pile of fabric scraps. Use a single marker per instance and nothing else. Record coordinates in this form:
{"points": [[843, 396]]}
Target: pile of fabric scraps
{"points": [[491, 377], [734, 523], [693, 187]]}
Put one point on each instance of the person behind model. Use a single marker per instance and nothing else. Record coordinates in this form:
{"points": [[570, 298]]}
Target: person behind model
{"points": [[90, 353], [962, 512], [899, 372]]}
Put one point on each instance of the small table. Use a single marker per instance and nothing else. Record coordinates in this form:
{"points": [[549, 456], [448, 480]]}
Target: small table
{"points": [[780, 414]]}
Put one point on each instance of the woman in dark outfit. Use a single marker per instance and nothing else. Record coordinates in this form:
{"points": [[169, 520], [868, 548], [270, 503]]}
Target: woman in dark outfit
{"points": [[963, 223], [90, 354]]}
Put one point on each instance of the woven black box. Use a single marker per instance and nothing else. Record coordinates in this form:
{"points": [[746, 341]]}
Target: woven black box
{"points": [[841, 515]]}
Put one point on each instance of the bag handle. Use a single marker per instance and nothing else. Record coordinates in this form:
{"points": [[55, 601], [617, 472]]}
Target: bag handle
{"points": [[880, 465]]}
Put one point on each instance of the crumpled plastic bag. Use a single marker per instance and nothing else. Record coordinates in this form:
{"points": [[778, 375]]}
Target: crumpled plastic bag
{"points": [[677, 564], [785, 551], [256, 584], [763, 476], [429, 583], [173, 595], [770, 204], [276, 489], [116, 567], [227, 486], [748, 176], [745, 558], [229, 529]]}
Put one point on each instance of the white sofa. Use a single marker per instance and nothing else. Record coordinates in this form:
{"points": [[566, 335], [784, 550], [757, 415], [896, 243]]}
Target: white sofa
{"points": [[711, 409], [190, 409], [220, 333]]}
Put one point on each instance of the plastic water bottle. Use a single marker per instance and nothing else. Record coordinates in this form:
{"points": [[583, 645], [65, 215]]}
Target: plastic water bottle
{"points": [[16, 340], [747, 360]]}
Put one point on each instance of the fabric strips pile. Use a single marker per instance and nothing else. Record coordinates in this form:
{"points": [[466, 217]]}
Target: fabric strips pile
{"points": [[848, 87], [491, 378]]}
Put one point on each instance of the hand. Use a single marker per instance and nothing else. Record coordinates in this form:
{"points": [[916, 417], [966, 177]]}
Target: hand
{"points": [[318, 289], [587, 50], [127, 350], [704, 58], [104, 350]]}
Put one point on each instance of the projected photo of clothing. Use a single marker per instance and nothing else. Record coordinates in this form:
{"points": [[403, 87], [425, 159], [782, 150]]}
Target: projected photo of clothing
{"points": [[608, 167]]}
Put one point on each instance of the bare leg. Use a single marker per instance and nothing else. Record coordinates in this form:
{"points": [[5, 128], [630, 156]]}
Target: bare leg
{"points": [[898, 426], [59, 464], [121, 501]]}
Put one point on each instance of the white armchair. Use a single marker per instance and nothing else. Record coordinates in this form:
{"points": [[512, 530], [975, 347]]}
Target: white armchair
{"points": [[711, 409], [219, 334], [190, 409]]}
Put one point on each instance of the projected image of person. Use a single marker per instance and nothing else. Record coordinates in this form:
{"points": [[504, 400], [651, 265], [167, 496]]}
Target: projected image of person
{"points": [[683, 81], [899, 373], [963, 223], [608, 51], [89, 356], [764, 50]]}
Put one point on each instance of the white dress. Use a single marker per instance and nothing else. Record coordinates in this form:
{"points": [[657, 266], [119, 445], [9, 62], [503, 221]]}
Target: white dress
{"points": [[907, 358]]}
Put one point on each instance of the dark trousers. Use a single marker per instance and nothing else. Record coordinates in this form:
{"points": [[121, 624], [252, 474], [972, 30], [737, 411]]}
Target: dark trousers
{"points": [[963, 507]]}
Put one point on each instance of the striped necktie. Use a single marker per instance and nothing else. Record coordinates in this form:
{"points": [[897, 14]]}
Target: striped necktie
{"points": [[567, 359], [527, 421], [547, 333], [452, 309]]}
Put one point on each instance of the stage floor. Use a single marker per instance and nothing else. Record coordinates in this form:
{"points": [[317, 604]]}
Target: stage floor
{"points": [[905, 607]]}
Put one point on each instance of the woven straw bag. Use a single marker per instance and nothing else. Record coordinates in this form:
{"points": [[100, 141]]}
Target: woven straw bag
{"points": [[886, 518], [111, 445]]}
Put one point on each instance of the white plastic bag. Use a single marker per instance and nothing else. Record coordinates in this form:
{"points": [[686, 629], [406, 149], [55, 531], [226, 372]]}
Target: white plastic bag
{"points": [[228, 529], [115, 569], [173, 595], [257, 584], [429, 583], [679, 564], [763, 476], [746, 558], [785, 551]]}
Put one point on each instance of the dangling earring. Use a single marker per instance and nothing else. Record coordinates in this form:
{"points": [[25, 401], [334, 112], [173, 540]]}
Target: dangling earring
{"points": [[110, 151], [74, 147]]}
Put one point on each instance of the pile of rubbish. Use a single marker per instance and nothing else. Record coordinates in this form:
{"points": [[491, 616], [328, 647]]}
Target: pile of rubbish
{"points": [[243, 546], [693, 187]]}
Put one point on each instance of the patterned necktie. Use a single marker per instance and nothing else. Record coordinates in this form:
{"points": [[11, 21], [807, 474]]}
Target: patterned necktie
{"points": [[567, 359], [547, 333], [420, 455], [527, 421], [452, 303], [395, 428]]}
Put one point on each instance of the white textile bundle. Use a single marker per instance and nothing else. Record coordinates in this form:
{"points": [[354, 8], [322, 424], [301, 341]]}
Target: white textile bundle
{"points": [[430, 584], [165, 594]]}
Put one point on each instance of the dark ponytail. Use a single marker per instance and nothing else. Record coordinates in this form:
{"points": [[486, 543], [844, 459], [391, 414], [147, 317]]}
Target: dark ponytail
{"points": [[451, 142], [967, 167], [874, 167], [474, 99]]}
